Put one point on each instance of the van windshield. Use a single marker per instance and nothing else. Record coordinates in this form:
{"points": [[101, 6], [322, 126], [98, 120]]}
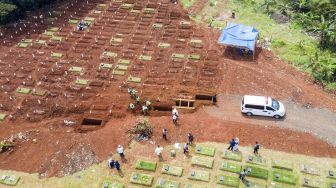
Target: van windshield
{"points": [[275, 104]]}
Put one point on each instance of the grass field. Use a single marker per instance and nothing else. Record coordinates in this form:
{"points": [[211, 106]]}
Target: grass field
{"points": [[181, 168]]}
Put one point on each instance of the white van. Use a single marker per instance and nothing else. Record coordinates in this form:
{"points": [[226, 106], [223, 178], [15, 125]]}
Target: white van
{"points": [[262, 106]]}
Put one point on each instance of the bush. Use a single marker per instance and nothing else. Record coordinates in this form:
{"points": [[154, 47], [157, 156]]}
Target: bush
{"points": [[8, 12]]}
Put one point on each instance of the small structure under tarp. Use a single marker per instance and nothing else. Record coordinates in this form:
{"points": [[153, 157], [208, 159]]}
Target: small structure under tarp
{"points": [[239, 36]]}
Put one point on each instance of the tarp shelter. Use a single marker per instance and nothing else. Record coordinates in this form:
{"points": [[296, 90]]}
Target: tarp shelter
{"points": [[240, 36]]}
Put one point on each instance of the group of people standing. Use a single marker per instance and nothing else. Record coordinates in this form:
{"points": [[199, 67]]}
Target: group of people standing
{"points": [[145, 107]]}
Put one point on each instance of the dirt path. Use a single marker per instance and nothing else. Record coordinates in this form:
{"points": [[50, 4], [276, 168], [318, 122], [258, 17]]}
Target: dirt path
{"points": [[316, 121]]}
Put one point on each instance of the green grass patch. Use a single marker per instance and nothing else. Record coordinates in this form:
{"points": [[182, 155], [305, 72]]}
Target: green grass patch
{"points": [[331, 173], [89, 19], [73, 21], [172, 170], [178, 56], [230, 167], [283, 165], [205, 150], [284, 177], [157, 26], [194, 56], [232, 155], [105, 65], [199, 175], [163, 45], [56, 55], [126, 6], [111, 184], [9, 180], [48, 33], [109, 54], [145, 57], [124, 61], [121, 67], [40, 42], [22, 90], [162, 183], [194, 186], [308, 169], [227, 180], [149, 10], [39, 92], [56, 38], [116, 40], [202, 161], [53, 29], [118, 72], [76, 69], [256, 172], [134, 79], [141, 179], [81, 82], [145, 165], [23, 45], [2, 116], [26, 40], [256, 160]]}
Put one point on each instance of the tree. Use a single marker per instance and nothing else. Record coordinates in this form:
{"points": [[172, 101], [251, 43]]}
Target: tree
{"points": [[326, 30], [267, 5], [8, 12]]}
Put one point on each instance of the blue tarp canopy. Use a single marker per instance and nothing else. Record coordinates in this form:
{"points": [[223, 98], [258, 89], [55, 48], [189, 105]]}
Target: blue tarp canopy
{"points": [[239, 36]]}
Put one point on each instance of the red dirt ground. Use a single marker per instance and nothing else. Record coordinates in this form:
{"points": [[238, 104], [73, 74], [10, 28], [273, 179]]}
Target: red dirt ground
{"points": [[105, 97]]}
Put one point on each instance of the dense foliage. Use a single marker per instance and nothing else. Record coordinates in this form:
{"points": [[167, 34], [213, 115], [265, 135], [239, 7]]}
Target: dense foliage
{"points": [[11, 10], [316, 16]]}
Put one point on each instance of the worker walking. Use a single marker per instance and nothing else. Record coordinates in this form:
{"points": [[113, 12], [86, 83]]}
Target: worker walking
{"points": [[175, 119], [185, 149], [242, 175], [120, 150], [117, 165], [190, 138], [148, 104], [110, 163], [144, 109], [256, 148], [232, 143], [164, 133], [158, 152]]}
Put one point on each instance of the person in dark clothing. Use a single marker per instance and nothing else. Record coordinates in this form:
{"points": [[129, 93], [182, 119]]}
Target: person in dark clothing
{"points": [[164, 133], [256, 148], [110, 163], [214, 99], [190, 138], [242, 175], [117, 165], [232, 143], [185, 149]]}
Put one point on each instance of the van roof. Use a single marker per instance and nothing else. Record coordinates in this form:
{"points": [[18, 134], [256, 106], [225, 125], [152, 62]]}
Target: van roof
{"points": [[257, 100]]}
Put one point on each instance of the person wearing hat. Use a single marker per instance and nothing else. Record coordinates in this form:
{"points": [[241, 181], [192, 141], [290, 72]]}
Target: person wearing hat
{"points": [[120, 150]]}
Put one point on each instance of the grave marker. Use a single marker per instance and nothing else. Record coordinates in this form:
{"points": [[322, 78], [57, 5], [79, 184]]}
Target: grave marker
{"points": [[22, 90], [76, 69], [206, 162], [56, 55], [118, 72], [81, 82], [162, 183], [121, 67], [232, 155], [105, 66], [172, 170], [109, 54], [163, 45], [284, 177], [141, 179], [205, 150], [227, 180], [10, 180], [258, 160], [230, 167], [157, 26], [145, 57], [124, 61], [134, 79], [199, 175], [284, 165], [145, 165]]}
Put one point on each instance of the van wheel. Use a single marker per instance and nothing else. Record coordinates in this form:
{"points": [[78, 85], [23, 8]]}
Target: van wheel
{"points": [[249, 114], [277, 117]]}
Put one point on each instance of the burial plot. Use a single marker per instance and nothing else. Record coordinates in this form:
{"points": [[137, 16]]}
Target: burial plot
{"points": [[145, 165], [199, 175], [76, 69], [124, 61], [39, 92], [256, 172], [309, 169], [232, 155], [227, 180], [2, 116], [163, 183], [331, 173], [258, 160], [134, 79], [172, 170], [105, 66], [111, 184], [109, 54], [81, 82], [284, 177], [141, 179], [121, 67], [22, 90], [163, 45], [205, 150], [283, 165], [230, 167], [196, 43], [202, 161], [56, 55], [311, 182], [73, 21], [195, 57], [9, 180], [118, 72]]}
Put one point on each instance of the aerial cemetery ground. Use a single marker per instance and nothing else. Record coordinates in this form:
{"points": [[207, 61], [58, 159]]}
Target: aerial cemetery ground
{"points": [[64, 101]]}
